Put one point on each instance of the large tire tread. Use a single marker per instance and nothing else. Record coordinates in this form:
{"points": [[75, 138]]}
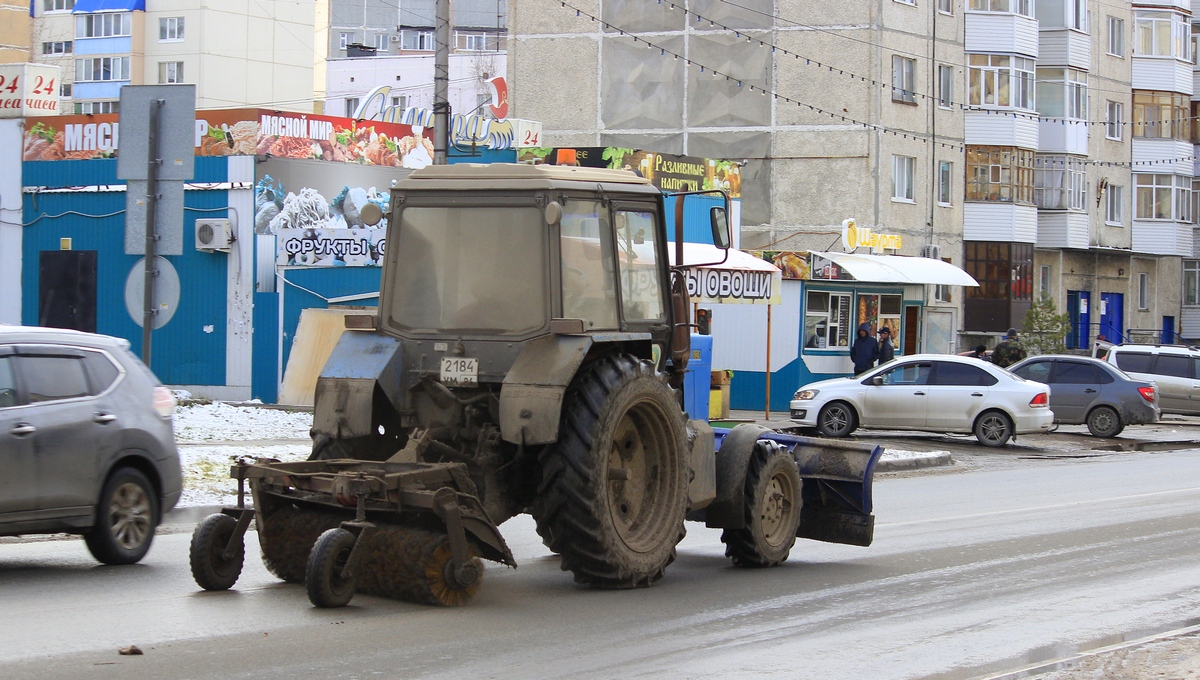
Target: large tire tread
{"points": [[100, 539]]}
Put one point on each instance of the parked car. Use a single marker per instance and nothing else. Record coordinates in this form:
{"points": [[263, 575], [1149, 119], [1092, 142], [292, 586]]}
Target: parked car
{"points": [[1085, 390], [86, 440], [1175, 369], [935, 392]]}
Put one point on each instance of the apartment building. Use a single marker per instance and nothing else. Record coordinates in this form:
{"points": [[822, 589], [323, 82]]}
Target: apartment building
{"points": [[14, 32], [1041, 146], [236, 52], [373, 43]]}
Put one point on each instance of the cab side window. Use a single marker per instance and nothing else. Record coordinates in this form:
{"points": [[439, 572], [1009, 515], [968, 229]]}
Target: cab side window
{"points": [[1037, 371], [637, 257], [53, 378], [8, 384]]}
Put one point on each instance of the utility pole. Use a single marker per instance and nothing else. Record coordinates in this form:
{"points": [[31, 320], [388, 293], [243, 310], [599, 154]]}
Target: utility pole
{"points": [[154, 161], [441, 83]]}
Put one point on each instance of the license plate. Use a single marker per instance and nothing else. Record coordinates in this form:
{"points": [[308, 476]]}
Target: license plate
{"points": [[460, 371]]}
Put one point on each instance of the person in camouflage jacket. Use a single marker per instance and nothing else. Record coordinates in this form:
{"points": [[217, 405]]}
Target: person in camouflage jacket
{"points": [[1009, 351]]}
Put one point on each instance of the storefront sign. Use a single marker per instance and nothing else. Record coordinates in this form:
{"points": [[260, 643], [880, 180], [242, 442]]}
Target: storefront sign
{"points": [[854, 236], [330, 247], [466, 130], [733, 286], [28, 90], [243, 132], [793, 263], [666, 171]]}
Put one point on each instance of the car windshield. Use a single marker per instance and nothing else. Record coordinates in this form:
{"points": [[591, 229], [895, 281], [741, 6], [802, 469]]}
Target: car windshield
{"points": [[476, 268]]}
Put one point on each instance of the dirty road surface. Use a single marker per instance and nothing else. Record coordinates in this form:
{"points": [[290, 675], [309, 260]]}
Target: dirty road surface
{"points": [[972, 574]]}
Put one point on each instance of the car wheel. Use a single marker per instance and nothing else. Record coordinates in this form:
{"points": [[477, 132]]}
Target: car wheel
{"points": [[993, 429], [836, 419], [126, 518], [1104, 422]]}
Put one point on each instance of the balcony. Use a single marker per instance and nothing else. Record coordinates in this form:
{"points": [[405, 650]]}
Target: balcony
{"points": [[1064, 47], [1000, 128], [1062, 229], [1149, 152], [1161, 237], [1166, 74], [1000, 33], [1063, 136], [998, 221]]}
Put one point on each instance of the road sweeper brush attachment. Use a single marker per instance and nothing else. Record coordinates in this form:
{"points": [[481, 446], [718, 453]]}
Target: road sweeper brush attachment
{"points": [[410, 531]]}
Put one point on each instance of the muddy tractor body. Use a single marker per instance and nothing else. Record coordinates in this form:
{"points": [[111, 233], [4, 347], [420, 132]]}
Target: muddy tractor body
{"points": [[527, 355]]}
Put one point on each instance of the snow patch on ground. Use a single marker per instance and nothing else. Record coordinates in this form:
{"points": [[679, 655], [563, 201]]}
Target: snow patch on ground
{"points": [[901, 454], [206, 478], [222, 422]]}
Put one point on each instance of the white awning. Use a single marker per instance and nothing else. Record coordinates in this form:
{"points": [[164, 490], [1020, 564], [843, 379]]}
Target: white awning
{"points": [[899, 269], [742, 278], [703, 253]]}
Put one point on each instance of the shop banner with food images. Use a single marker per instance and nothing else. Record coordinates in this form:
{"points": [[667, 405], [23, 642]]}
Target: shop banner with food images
{"points": [[330, 247], [668, 172], [244, 132]]}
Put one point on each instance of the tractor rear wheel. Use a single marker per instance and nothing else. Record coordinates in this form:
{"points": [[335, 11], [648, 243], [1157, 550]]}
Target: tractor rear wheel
{"points": [[614, 488], [772, 505]]}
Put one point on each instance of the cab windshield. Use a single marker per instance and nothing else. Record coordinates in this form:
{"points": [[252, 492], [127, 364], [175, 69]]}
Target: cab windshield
{"points": [[468, 269]]}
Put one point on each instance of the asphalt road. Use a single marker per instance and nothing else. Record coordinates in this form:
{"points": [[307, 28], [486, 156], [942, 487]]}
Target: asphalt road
{"points": [[971, 574]]}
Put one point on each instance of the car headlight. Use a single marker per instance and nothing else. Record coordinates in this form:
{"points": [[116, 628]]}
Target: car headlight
{"points": [[805, 395]]}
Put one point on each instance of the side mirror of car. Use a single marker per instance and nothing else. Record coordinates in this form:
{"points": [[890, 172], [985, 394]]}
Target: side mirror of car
{"points": [[877, 380]]}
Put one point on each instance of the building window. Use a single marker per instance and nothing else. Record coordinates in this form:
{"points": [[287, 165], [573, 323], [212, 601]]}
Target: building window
{"points": [[1115, 120], [58, 5], [62, 47], [400, 101], [1062, 93], [945, 86], [1161, 114], [101, 69], [104, 25], [1163, 197], [97, 107], [1004, 270], [1161, 34], [381, 43], [476, 42], [1116, 36], [945, 182], [170, 72], [902, 178], [351, 106], [1060, 183], [1000, 173], [64, 90], [1000, 80], [904, 73], [344, 40], [1062, 14], [1143, 291], [1191, 283], [170, 29], [1044, 280], [907, 2], [1022, 7], [827, 320], [1114, 207], [416, 40], [945, 6]]}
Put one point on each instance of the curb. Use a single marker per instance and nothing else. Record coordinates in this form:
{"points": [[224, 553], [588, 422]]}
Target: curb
{"points": [[913, 463]]}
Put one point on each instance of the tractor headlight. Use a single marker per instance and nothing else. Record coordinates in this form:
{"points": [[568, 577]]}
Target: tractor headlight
{"points": [[806, 395]]}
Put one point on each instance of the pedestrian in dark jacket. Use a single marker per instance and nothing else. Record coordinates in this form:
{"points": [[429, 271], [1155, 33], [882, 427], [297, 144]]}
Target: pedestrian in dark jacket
{"points": [[886, 351], [1009, 351], [865, 350]]}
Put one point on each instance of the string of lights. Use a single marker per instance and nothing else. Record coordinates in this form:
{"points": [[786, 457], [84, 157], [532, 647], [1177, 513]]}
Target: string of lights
{"points": [[833, 115]]}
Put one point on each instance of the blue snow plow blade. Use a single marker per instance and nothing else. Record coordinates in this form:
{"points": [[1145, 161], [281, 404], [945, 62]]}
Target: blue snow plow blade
{"points": [[836, 491]]}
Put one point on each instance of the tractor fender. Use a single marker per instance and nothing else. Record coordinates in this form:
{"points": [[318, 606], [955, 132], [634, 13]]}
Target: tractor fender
{"points": [[732, 461], [346, 386], [532, 395]]}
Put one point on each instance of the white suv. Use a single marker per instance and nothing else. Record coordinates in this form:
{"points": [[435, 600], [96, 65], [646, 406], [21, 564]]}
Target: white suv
{"points": [[1175, 368]]}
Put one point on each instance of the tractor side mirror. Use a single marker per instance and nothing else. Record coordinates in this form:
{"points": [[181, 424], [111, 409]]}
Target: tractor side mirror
{"points": [[877, 380], [720, 227]]}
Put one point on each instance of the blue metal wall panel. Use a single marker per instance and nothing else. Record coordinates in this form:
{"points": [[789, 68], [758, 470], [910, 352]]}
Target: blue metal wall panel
{"points": [[264, 372], [120, 45], [184, 351], [109, 89], [327, 282]]}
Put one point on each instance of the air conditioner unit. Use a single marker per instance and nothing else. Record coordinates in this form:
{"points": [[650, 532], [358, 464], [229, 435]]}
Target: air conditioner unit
{"points": [[932, 251], [214, 234], [395, 38]]}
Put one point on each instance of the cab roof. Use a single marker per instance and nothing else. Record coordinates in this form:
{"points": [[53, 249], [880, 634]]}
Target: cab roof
{"points": [[522, 176]]}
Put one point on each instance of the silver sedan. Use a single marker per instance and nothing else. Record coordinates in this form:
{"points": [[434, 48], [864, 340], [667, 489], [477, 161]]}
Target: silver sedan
{"points": [[934, 392]]}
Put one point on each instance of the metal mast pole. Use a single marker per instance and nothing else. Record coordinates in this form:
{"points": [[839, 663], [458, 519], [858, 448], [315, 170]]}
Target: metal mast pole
{"points": [[148, 310], [441, 83]]}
